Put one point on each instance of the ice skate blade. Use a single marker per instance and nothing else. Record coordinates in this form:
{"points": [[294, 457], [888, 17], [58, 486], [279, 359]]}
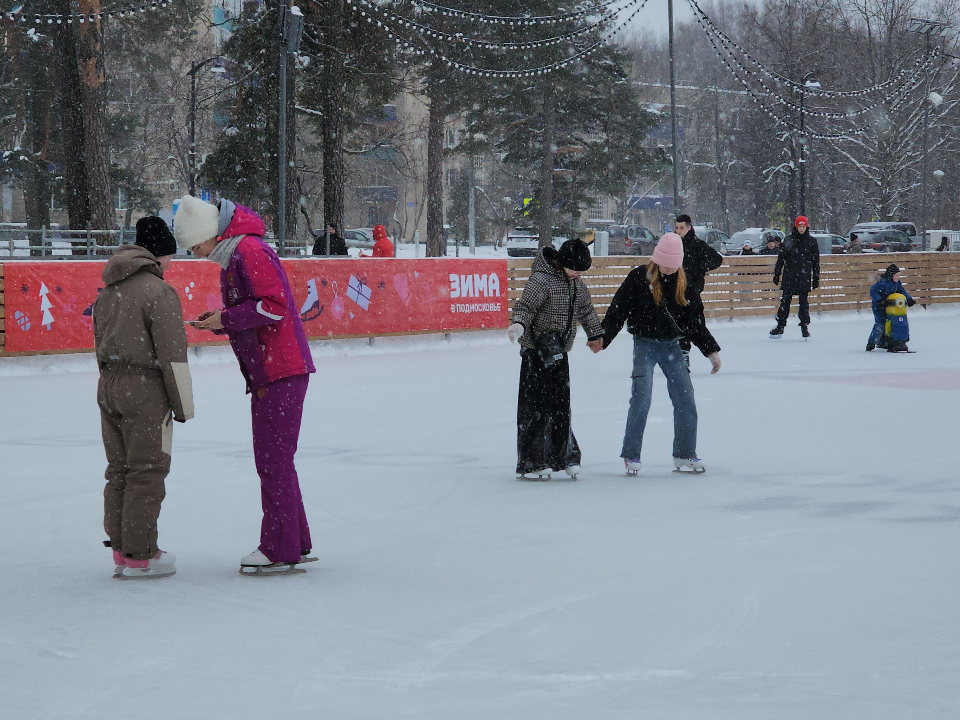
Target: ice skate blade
{"points": [[274, 569], [305, 559], [633, 473], [534, 477], [146, 576], [690, 471]]}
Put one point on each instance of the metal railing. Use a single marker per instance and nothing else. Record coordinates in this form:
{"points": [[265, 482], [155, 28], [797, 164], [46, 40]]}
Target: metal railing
{"points": [[61, 244]]}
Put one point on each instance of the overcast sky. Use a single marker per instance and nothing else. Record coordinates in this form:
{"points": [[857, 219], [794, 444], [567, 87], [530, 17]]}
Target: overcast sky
{"points": [[654, 15]]}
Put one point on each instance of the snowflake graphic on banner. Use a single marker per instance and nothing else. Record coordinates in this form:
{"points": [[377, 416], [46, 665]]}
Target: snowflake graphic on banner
{"points": [[45, 306]]}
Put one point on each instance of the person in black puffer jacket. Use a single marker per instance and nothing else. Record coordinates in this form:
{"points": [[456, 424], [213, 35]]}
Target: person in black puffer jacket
{"points": [[799, 267], [652, 301], [698, 259], [544, 320]]}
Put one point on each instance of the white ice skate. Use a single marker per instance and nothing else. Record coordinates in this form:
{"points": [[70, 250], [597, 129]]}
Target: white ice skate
{"points": [[258, 564], [572, 471], [160, 566], [536, 475], [311, 307], [632, 465], [689, 465]]}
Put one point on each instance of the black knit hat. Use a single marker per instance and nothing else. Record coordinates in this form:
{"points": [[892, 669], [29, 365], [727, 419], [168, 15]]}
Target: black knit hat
{"points": [[575, 255], [154, 235], [891, 270]]}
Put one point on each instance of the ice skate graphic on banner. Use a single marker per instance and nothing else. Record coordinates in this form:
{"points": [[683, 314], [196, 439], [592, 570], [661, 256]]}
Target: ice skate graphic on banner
{"points": [[359, 292], [312, 308], [45, 306]]}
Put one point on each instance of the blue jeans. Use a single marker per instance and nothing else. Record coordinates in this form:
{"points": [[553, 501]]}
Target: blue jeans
{"points": [[647, 354]]}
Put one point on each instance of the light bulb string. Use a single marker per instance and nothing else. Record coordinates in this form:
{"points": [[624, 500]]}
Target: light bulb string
{"points": [[487, 72], [926, 60], [69, 18], [512, 19], [489, 44], [893, 96]]}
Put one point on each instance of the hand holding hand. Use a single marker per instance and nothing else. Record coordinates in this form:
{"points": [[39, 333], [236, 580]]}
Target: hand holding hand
{"points": [[515, 332], [209, 321], [714, 359], [595, 345]]}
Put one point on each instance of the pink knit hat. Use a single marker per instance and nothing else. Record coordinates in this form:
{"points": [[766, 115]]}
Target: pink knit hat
{"points": [[669, 251]]}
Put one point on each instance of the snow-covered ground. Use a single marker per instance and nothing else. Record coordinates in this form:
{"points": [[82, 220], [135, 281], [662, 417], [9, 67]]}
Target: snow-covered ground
{"points": [[811, 573]]}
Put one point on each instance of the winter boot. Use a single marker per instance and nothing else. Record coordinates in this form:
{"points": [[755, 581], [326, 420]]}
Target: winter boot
{"points": [[686, 465], [572, 471], [632, 465], [871, 347], [160, 565], [256, 563], [777, 332], [804, 332]]}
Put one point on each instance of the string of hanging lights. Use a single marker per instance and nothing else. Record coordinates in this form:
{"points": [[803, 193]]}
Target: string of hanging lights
{"points": [[488, 72], [893, 96], [521, 20], [80, 18], [493, 45], [922, 63]]}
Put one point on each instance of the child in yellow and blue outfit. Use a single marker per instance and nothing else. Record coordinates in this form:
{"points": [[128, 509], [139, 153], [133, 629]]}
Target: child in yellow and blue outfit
{"points": [[880, 297]]}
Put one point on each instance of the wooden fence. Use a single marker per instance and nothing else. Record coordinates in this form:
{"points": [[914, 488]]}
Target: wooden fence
{"points": [[743, 286]]}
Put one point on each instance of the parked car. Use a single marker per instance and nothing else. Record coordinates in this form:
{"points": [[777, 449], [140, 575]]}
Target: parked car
{"points": [[631, 239], [867, 232], [523, 242], [717, 239], [890, 241], [757, 237], [359, 238], [829, 243]]}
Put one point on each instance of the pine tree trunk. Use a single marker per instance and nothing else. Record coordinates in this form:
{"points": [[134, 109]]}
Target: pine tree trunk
{"points": [[548, 150], [69, 102], [96, 159], [334, 174], [436, 246]]}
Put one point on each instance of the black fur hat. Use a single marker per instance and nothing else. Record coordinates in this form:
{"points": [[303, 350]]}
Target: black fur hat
{"points": [[575, 255], [154, 235]]}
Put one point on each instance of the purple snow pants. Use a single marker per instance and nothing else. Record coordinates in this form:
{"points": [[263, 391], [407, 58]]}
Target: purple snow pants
{"points": [[277, 409]]}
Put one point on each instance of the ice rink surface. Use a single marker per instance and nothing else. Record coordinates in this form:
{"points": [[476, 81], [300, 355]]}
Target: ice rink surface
{"points": [[811, 573]]}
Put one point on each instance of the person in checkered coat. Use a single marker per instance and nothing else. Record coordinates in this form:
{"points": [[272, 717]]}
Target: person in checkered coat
{"points": [[544, 321]]}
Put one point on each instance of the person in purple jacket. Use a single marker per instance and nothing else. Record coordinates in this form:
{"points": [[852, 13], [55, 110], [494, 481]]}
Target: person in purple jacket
{"points": [[263, 324]]}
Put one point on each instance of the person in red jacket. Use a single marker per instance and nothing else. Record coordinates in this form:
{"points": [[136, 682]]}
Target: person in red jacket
{"points": [[382, 247]]}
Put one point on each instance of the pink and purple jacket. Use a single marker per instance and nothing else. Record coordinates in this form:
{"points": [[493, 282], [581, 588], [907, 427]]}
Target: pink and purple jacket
{"points": [[260, 316]]}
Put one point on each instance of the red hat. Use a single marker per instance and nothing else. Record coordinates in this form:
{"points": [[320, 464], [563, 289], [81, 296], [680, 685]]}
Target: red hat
{"points": [[801, 218]]}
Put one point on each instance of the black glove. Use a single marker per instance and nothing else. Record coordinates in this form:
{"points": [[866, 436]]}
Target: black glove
{"points": [[179, 420], [816, 283], [911, 302], [776, 279]]}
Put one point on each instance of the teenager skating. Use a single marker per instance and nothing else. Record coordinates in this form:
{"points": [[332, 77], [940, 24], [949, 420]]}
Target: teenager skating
{"points": [[544, 321], [653, 303], [799, 266], [263, 324]]}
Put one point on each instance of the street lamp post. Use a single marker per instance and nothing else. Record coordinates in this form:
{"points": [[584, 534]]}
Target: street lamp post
{"points": [[673, 116], [291, 30], [811, 85], [192, 119], [926, 28]]}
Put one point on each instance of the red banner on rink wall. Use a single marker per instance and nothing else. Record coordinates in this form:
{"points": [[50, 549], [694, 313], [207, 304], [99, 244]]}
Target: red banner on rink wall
{"points": [[48, 305]]}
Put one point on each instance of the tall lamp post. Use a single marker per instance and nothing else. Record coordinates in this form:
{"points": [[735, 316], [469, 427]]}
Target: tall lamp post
{"points": [[808, 84], [926, 28], [291, 30], [673, 116], [192, 120]]}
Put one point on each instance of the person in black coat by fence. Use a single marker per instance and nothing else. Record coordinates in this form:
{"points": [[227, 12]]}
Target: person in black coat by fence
{"points": [[330, 244], [698, 259], [798, 265]]}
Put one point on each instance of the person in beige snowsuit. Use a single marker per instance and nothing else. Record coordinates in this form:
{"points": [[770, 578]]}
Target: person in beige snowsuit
{"points": [[144, 385]]}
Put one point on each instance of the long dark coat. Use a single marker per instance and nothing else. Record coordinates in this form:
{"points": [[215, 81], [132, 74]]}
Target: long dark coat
{"points": [[798, 264]]}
